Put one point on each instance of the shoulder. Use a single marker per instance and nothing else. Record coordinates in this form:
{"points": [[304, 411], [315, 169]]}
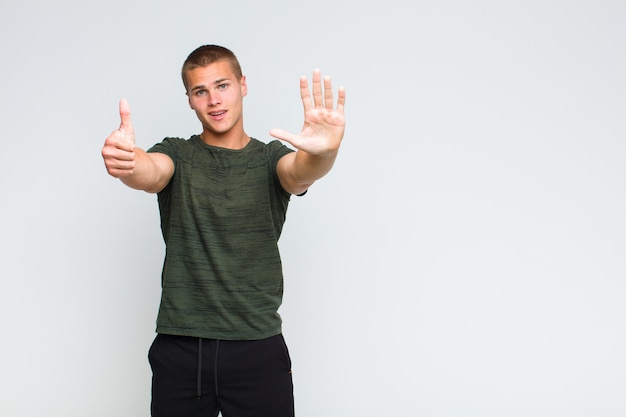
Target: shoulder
{"points": [[274, 150], [175, 147], [172, 143]]}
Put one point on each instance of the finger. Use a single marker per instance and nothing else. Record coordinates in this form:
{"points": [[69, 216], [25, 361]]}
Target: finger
{"points": [[283, 135], [317, 88], [117, 147], [328, 93], [118, 140], [120, 170], [305, 93], [341, 99], [126, 124], [294, 140], [118, 162]]}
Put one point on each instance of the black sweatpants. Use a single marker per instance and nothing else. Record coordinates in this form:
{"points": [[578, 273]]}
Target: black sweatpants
{"points": [[202, 377]]}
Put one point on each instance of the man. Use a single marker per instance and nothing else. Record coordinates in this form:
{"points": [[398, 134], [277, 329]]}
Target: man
{"points": [[223, 198]]}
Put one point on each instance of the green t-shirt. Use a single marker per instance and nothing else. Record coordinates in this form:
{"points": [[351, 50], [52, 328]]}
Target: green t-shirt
{"points": [[222, 214]]}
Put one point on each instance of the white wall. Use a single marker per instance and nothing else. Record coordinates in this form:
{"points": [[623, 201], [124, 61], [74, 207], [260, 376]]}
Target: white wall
{"points": [[466, 256]]}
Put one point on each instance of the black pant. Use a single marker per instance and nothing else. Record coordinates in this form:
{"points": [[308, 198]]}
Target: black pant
{"points": [[202, 377]]}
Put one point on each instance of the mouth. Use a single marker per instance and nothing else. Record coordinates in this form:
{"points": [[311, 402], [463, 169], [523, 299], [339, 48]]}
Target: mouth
{"points": [[217, 114]]}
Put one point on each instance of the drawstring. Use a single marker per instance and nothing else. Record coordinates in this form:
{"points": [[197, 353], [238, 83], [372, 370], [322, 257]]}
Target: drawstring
{"points": [[217, 346], [199, 391], [199, 387]]}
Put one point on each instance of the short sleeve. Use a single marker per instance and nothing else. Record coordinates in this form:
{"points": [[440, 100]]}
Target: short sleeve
{"points": [[169, 147]]}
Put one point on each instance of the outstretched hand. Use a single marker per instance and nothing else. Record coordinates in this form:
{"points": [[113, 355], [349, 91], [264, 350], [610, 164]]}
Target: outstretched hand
{"points": [[324, 124], [118, 150]]}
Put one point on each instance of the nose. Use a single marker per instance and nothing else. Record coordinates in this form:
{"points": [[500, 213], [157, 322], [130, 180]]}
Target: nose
{"points": [[214, 99]]}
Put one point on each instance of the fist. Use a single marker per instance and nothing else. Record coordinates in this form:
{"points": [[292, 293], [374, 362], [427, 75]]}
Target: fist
{"points": [[119, 148]]}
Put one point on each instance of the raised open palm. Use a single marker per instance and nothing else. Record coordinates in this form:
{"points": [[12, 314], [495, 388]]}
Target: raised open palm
{"points": [[324, 124]]}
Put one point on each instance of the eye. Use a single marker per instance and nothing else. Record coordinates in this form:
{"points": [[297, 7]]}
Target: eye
{"points": [[222, 86], [200, 92]]}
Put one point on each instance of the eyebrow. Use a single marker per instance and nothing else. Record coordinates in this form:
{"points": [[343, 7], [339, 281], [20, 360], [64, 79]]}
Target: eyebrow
{"points": [[216, 82]]}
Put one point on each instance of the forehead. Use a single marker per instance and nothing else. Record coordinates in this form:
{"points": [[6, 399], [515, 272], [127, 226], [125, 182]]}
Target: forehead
{"points": [[216, 72]]}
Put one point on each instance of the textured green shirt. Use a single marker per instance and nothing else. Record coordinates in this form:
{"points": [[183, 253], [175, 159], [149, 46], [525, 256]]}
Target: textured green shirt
{"points": [[222, 214]]}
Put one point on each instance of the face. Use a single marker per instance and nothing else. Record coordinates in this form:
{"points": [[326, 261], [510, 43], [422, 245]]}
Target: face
{"points": [[216, 95]]}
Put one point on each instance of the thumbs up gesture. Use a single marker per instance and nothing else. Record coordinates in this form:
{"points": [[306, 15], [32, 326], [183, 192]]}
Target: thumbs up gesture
{"points": [[119, 148]]}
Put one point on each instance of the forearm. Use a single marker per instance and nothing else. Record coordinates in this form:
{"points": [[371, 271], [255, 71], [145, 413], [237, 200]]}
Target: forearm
{"points": [[309, 168], [145, 174], [319, 141], [301, 169]]}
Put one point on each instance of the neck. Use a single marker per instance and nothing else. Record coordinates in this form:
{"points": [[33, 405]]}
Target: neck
{"points": [[228, 140]]}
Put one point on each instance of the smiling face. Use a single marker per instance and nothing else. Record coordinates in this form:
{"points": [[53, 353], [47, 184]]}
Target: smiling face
{"points": [[216, 95]]}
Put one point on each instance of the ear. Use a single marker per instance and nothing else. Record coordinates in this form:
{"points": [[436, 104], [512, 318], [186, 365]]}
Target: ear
{"points": [[244, 86], [189, 100]]}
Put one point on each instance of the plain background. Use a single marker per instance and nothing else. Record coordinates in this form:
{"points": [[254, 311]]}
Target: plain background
{"points": [[466, 256]]}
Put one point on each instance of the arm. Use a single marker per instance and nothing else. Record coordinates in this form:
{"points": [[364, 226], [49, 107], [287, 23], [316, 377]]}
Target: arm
{"points": [[135, 167], [318, 143]]}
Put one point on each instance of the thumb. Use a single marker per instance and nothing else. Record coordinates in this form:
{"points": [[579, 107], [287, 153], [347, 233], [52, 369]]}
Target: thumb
{"points": [[126, 124], [284, 135]]}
